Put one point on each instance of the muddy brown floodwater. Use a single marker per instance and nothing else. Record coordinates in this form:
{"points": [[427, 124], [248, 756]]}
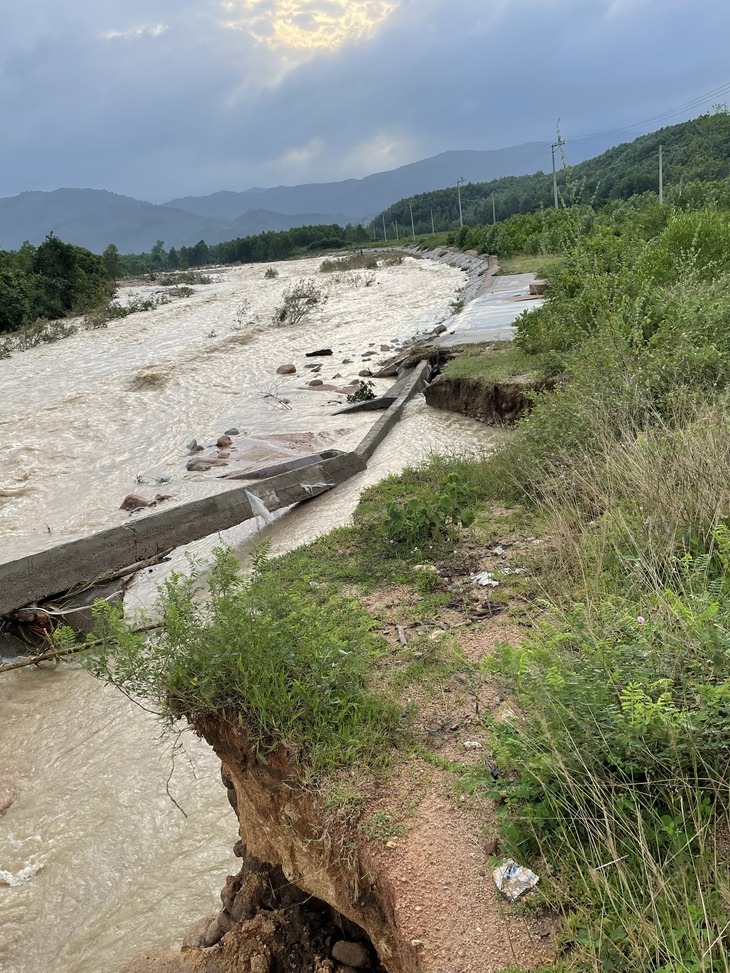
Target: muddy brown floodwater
{"points": [[97, 863]]}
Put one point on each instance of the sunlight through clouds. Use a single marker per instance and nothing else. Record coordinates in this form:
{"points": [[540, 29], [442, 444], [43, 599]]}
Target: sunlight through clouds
{"points": [[307, 25]]}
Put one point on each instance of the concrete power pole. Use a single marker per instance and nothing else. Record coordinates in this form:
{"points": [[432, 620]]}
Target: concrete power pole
{"points": [[413, 228], [553, 147], [385, 235], [661, 177], [494, 210], [433, 228], [459, 184]]}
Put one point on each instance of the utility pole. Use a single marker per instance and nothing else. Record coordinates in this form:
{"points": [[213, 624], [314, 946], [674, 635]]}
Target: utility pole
{"points": [[433, 229], [396, 231], [459, 184], [494, 211], [413, 228], [553, 147], [661, 177], [385, 234]]}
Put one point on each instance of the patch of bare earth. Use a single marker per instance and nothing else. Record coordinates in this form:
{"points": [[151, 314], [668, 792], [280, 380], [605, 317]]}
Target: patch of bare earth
{"points": [[433, 845]]}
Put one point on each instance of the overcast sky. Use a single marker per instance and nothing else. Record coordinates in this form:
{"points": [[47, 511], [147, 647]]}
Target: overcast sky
{"points": [[161, 98]]}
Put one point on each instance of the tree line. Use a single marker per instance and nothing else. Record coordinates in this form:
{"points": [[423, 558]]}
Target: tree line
{"points": [[49, 281]]}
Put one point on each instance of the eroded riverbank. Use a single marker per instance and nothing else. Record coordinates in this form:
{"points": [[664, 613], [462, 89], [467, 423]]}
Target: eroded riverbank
{"points": [[110, 856]]}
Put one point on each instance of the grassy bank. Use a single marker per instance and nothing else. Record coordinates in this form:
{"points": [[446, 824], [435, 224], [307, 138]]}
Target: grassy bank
{"points": [[612, 775]]}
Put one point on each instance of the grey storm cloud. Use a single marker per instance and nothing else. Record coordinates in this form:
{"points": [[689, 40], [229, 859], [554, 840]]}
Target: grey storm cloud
{"points": [[159, 99]]}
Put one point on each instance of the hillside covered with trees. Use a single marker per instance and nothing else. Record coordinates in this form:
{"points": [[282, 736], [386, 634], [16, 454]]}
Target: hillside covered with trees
{"points": [[695, 150]]}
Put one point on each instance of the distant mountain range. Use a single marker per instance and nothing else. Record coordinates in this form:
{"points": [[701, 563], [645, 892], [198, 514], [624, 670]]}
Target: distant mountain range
{"points": [[93, 218]]}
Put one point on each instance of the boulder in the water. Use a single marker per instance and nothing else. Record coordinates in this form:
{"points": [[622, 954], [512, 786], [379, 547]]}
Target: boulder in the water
{"points": [[321, 352], [289, 369], [134, 502]]}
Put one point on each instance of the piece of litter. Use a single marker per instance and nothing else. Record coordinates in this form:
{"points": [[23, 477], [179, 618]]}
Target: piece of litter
{"points": [[258, 507], [472, 745], [391, 844], [514, 880], [498, 550], [486, 579]]}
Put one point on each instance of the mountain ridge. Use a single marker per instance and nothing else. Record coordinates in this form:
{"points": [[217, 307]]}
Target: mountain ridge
{"points": [[93, 218]]}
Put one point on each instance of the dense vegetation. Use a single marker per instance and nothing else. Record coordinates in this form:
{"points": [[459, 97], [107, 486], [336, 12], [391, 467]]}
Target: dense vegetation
{"points": [[694, 152], [48, 282]]}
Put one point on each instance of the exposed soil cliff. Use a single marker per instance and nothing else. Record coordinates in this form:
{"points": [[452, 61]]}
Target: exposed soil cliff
{"points": [[488, 402]]}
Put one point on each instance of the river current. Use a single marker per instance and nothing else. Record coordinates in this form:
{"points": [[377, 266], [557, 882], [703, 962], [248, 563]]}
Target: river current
{"points": [[97, 861]]}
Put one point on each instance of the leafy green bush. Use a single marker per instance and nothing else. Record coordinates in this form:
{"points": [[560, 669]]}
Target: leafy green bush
{"points": [[424, 520]]}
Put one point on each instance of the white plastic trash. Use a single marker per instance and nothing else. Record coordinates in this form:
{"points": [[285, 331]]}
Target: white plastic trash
{"points": [[514, 880]]}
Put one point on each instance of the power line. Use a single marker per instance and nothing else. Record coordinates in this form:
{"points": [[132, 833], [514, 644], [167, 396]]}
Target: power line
{"points": [[718, 92]]}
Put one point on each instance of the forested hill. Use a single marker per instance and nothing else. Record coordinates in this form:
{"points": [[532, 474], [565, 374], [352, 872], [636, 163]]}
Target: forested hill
{"points": [[694, 150]]}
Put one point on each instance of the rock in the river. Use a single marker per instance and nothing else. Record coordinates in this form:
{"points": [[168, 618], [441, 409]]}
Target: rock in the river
{"points": [[224, 442], [286, 370], [195, 937], [134, 502], [351, 954], [232, 432], [385, 347], [365, 373], [319, 353], [316, 381]]}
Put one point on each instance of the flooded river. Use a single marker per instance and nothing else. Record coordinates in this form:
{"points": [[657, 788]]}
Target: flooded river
{"points": [[97, 862]]}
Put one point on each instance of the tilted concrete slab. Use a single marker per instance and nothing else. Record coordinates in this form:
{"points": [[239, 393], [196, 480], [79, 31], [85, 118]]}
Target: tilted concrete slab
{"points": [[491, 317]]}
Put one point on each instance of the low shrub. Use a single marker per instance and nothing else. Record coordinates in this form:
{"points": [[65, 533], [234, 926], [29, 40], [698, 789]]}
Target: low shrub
{"points": [[298, 301], [290, 665]]}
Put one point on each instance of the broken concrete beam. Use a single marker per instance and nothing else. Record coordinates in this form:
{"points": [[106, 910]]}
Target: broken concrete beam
{"points": [[59, 569], [413, 384], [369, 405]]}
